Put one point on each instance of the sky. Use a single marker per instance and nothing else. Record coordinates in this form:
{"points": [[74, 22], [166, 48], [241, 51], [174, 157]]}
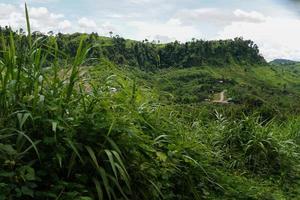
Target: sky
{"points": [[274, 25]]}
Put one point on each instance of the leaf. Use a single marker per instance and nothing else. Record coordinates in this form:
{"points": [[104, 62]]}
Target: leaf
{"points": [[71, 144], [27, 191], [28, 26], [124, 175], [27, 173], [113, 144], [32, 143], [161, 156], [112, 162], [120, 188], [116, 154], [100, 170], [86, 198], [7, 174], [8, 149], [28, 149], [98, 189], [59, 158], [92, 155], [6, 136], [22, 118], [160, 139], [103, 175], [156, 188], [71, 163]]}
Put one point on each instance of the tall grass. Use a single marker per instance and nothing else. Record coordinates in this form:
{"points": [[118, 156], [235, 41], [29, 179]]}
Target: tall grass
{"points": [[32, 100]]}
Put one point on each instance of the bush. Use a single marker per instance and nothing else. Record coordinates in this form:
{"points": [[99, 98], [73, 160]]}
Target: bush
{"points": [[251, 144]]}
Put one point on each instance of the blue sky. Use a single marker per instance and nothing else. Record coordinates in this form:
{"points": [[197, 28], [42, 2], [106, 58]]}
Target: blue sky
{"points": [[273, 24]]}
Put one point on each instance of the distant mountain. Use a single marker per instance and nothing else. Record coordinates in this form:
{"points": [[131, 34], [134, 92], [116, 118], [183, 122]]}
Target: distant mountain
{"points": [[283, 62]]}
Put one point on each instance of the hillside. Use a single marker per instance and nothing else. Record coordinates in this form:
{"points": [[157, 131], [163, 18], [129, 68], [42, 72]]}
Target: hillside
{"points": [[283, 62], [270, 91], [147, 55], [88, 117]]}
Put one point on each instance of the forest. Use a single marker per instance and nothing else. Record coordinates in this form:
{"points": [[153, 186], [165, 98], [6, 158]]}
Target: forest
{"points": [[147, 55], [90, 117]]}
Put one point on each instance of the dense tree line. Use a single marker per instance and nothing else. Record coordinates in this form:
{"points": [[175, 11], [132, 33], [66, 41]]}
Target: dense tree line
{"points": [[151, 55]]}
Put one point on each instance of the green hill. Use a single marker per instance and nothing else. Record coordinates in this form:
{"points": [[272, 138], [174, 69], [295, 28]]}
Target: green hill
{"points": [[270, 91], [88, 117], [283, 62]]}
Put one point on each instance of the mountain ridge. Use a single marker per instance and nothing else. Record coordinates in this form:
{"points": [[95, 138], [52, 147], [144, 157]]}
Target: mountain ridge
{"points": [[282, 61]]}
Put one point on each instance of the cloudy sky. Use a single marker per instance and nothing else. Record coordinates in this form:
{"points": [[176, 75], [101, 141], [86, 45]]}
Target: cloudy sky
{"points": [[273, 24]]}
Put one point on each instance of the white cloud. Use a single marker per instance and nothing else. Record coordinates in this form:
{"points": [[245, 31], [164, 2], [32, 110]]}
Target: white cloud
{"points": [[38, 12], [217, 16], [106, 27], [276, 37], [43, 20], [86, 23], [165, 32], [64, 25], [10, 16], [6, 9], [40, 17], [252, 16], [184, 25]]}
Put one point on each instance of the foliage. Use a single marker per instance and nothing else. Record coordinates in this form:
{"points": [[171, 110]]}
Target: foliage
{"points": [[72, 131], [151, 56]]}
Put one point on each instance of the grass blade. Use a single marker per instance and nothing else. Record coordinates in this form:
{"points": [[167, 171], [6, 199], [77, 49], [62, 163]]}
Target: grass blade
{"points": [[28, 26]]}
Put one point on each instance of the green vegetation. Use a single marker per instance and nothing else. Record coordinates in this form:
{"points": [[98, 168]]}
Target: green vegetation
{"points": [[86, 117], [283, 62]]}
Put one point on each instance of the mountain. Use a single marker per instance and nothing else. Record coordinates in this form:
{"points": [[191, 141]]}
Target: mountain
{"points": [[283, 62]]}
